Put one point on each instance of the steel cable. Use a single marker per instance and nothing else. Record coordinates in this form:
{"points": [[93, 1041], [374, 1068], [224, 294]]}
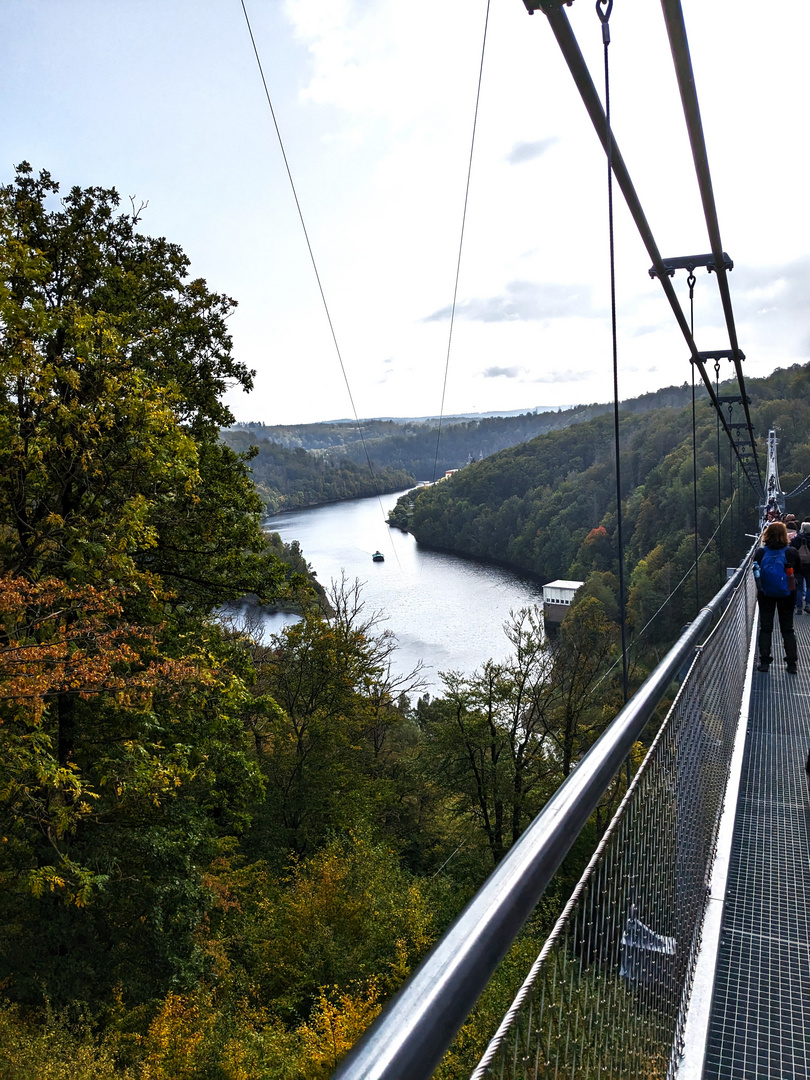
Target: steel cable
{"points": [[461, 241]]}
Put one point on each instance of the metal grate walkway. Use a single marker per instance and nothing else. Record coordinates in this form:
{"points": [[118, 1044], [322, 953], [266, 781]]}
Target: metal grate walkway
{"points": [[760, 1022]]}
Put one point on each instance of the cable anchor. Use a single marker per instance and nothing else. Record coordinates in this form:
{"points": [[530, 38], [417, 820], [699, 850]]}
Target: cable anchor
{"points": [[603, 18], [690, 281]]}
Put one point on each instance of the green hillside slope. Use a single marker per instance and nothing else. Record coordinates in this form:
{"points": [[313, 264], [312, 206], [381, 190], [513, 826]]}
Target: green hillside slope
{"points": [[309, 464], [548, 507]]}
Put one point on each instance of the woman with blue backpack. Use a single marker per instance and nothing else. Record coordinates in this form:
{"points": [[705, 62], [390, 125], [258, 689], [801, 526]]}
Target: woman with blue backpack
{"points": [[775, 567]]}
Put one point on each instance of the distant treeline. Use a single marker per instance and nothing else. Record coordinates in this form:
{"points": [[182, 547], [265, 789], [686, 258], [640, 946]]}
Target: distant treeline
{"points": [[286, 479], [308, 464]]}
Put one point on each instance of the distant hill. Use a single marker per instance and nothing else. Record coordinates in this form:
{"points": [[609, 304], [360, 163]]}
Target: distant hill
{"points": [[287, 478], [547, 506], [454, 417], [338, 460]]}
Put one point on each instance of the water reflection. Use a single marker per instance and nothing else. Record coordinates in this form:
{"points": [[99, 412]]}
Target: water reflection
{"points": [[447, 612]]}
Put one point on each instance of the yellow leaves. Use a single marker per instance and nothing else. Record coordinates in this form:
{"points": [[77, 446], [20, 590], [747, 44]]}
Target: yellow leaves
{"points": [[75, 884], [174, 1037], [337, 1021], [46, 879], [50, 1048]]}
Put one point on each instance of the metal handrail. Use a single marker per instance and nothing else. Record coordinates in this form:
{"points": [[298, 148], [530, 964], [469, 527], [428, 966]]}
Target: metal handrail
{"points": [[409, 1038]]}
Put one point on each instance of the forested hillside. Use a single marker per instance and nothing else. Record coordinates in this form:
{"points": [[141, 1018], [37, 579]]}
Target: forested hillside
{"points": [[548, 507], [307, 464], [286, 478]]}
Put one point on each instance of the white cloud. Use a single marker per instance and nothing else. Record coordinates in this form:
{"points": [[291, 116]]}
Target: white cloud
{"points": [[375, 101], [496, 372], [523, 300], [528, 151]]}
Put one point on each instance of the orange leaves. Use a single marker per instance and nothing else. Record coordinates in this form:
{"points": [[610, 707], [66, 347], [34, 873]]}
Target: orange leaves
{"points": [[595, 535], [62, 639]]}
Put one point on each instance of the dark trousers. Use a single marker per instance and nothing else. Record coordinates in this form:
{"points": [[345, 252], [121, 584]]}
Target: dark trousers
{"points": [[767, 606], [802, 584]]}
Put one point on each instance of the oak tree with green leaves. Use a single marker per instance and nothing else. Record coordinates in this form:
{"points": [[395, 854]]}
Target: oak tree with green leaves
{"points": [[124, 523]]}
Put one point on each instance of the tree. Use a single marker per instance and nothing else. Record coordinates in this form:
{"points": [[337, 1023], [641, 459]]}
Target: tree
{"points": [[488, 736], [112, 366], [504, 738], [123, 525], [325, 720], [578, 715]]}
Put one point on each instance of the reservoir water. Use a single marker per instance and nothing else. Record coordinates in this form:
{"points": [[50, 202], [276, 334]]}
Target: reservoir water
{"points": [[445, 611]]}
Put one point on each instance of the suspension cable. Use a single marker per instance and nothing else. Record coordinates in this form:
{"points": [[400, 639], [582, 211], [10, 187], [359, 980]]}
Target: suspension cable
{"points": [[461, 242], [802, 486], [358, 425], [690, 281], [679, 45], [719, 490], [638, 635], [604, 18], [561, 28]]}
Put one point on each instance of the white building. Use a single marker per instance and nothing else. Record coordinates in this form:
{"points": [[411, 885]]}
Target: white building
{"points": [[557, 597]]}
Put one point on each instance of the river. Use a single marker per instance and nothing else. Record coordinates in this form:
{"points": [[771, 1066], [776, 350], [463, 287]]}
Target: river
{"points": [[445, 611]]}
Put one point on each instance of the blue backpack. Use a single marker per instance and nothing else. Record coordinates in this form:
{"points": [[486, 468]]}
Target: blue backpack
{"points": [[773, 580]]}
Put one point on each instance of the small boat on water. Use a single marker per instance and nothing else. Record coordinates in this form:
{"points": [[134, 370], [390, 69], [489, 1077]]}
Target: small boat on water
{"points": [[378, 557]]}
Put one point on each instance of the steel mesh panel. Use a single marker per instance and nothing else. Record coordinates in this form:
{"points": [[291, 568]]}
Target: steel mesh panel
{"points": [[760, 1022], [605, 998]]}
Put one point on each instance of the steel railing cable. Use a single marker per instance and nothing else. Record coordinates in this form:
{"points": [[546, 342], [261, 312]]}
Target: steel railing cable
{"points": [[327, 312], [609, 991], [561, 28], [679, 46], [461, 241], [604, 18]]}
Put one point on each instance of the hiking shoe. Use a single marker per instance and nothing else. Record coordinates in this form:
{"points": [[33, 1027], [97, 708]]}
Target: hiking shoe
{"points": [[764, 665], [791, 669], [807, 609]]}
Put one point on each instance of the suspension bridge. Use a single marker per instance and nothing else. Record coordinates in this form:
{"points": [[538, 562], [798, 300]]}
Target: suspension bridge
{"points": [[684, 950]]}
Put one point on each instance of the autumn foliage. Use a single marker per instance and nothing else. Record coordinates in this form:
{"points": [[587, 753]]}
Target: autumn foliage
{"points": [[219, 853]]}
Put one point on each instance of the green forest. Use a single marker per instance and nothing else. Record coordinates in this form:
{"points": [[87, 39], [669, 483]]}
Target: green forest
{"points": [[548, 507], [308, 464], [286, 479], [220, 853]]}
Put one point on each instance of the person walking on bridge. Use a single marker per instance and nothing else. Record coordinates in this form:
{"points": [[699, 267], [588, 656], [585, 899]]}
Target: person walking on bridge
{"points": [[775, 567], [802, 544]]}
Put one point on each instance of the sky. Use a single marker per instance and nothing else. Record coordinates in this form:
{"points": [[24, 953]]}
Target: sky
{"points": [[375, 101]]}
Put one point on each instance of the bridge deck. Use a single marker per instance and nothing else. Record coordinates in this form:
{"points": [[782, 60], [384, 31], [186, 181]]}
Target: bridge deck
{"points": [[760, 1021]]}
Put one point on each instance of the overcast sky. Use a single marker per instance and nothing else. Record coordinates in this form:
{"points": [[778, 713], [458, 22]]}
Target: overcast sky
{"points": [[162, 99]]}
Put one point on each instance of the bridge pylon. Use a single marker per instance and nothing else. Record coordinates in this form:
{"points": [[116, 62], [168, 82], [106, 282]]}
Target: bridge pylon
{"points": [[774, 496]]}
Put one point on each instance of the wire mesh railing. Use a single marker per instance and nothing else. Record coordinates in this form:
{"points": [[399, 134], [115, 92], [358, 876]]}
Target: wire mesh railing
{"points": [[608, 994]]}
